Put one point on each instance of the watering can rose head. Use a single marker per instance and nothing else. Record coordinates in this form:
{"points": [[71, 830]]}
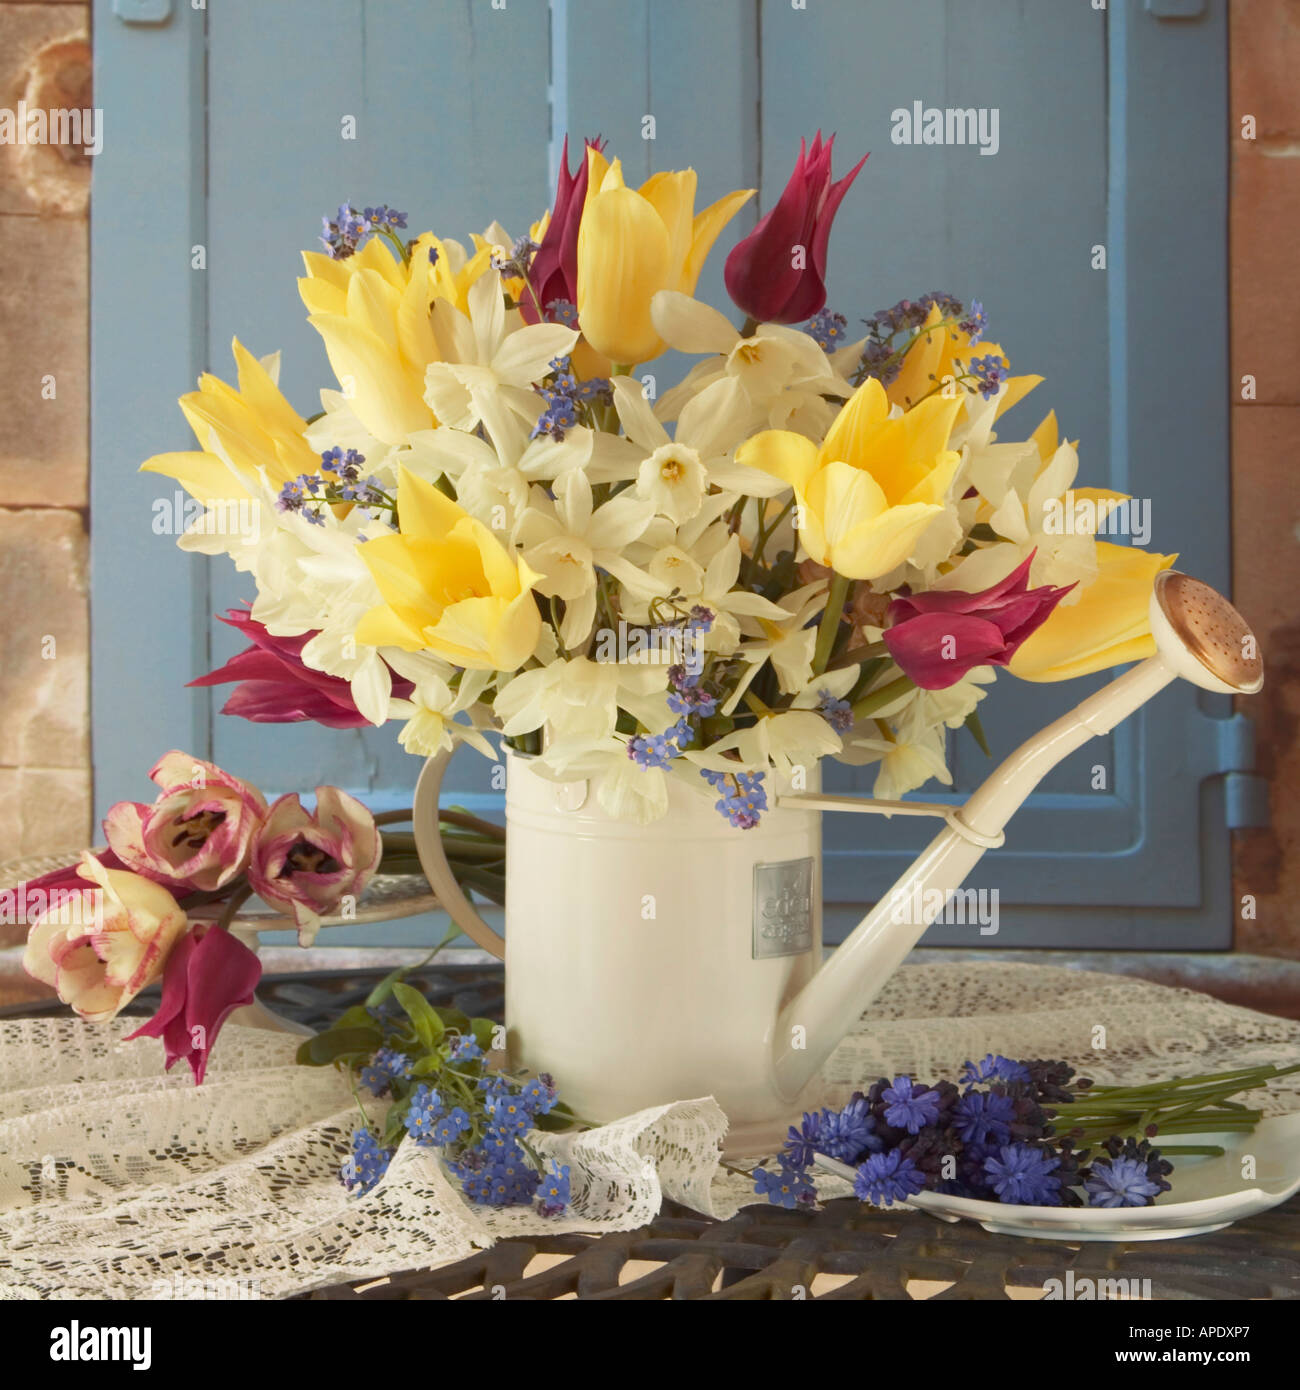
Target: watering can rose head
{"points": [[100, 947], [305, 864], [198, 834], [449, 586]]}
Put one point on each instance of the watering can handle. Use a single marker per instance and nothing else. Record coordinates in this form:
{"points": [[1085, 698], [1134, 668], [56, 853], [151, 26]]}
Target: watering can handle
{"points": [[428, 844]]}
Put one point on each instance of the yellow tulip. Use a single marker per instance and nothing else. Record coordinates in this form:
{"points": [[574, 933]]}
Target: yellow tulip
{"points": [[372, 311], [632, 244], [941, 354], [449, 586], [1109, 625], [255, 425], [874, 485]]}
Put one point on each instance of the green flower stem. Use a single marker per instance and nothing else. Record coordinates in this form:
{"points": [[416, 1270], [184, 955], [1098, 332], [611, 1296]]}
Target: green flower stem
{"points": [[237, 899], [402, 249], [1265, 1072], [854, 656], [830, 624], [878, 699], [393, 817], [465, 821]]}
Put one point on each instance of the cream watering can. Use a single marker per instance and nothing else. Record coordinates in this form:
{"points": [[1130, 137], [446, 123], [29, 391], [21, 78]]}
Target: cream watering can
{"points": [[647, 964]]}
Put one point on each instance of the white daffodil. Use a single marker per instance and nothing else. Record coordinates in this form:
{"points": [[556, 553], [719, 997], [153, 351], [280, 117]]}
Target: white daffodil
{"points": [[795, 738], [491, 361], [909, 756], [709, 584], [565, 540], [788, 644], [1021, 499], [575, 701], [431, 708], [782, 370], [679, 471]]}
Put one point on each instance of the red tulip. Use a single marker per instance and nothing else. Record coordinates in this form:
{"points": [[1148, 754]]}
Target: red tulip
{"points": [[278, 687], [766, 274], [937, 637], [208, 975], [553, 274]]}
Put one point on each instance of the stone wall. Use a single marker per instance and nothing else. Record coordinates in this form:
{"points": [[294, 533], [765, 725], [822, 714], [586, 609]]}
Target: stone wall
{"points": [[44, 376]]}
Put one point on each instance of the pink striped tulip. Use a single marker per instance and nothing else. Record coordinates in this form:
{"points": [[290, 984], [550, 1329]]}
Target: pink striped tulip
{"points": [[100, 947], [199, 832], [304, 864]]}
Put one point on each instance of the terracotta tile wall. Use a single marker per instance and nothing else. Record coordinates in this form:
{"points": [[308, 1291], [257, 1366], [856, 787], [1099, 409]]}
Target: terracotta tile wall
{"points": [[44, 732], [1265, 284]]}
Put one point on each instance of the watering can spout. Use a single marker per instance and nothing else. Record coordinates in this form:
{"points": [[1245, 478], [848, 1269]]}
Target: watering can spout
{"points": [[1199, 636]]}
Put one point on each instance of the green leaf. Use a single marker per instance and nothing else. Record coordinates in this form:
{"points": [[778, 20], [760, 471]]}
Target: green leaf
{"points": [[483, 1029], [355, 1017], [428, 1066], [977, 729], [329, 1047], [394, 1125], [561, 1117], [453, 1019], [428, 1026], [385, 987]]}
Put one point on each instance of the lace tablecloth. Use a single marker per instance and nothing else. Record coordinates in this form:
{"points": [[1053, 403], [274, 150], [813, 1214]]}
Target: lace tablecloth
{"points": [[119, 1181]]}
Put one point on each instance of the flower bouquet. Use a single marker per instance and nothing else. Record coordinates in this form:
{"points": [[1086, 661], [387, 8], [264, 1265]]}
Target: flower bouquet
{"points": [[807, 548]]}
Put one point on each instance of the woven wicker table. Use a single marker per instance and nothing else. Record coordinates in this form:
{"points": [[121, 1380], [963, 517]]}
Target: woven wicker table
{"points": [[844, 1252]]}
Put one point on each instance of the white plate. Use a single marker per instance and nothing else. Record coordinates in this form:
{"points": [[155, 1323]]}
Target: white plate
{"points": [[1206, 1194]]}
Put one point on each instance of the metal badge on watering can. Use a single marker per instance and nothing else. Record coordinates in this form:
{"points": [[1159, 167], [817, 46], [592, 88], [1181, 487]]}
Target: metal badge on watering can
{"points": [[783, 908]]}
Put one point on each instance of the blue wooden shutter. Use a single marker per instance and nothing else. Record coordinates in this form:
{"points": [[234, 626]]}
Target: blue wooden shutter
{"points": [[224, 130]]}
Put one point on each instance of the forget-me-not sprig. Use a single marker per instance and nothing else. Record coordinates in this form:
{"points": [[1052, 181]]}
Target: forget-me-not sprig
{"points": [[366, 1164], [827, 329], [554, 1190], [423, 1113], [465, 1048], [836, 712], [385, 1066], [784, 1186], [451, 1126]]}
